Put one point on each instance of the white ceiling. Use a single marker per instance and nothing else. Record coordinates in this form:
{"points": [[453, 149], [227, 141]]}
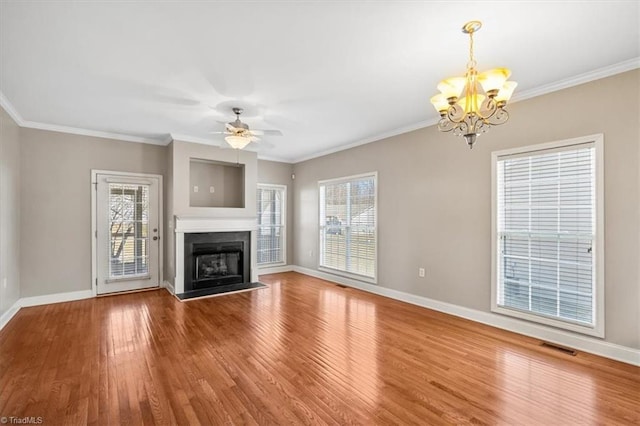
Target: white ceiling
{"points": [[327, 74]]}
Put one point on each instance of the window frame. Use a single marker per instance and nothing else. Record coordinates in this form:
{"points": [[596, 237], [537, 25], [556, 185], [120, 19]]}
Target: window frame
{"points": [[598, 326], [321, 226], [283, 189]]}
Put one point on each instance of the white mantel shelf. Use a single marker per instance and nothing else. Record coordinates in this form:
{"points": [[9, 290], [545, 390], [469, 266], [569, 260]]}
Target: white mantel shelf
{"points": [[191, 224], [215, 224]]}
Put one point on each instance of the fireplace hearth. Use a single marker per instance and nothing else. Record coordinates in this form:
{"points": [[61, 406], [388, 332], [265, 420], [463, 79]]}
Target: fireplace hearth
{"points": [[214, 259]]}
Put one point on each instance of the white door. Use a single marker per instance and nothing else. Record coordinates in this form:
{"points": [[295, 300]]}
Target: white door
{"points": [[127, 233]]}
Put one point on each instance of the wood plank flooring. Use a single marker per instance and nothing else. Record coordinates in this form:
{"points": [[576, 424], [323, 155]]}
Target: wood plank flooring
{"points": [[302, 351]]}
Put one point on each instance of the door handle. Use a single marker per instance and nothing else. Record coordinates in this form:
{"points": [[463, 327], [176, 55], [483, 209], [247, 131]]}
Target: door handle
{"points": [[156, 238]]}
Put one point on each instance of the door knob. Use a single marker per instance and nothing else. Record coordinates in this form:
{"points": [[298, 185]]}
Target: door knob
{"points": [[156, 238]]}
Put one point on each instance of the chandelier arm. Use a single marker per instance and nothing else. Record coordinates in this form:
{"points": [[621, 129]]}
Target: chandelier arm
{"points": [[455, 114], [446, 125], [488, 108], [500, 117]]}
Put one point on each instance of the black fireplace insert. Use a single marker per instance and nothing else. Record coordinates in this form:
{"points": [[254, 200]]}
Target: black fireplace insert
{"points": [[216, 258]]}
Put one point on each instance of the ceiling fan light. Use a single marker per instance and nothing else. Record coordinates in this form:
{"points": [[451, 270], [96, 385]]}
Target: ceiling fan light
{"points": [[452, 87], [237, 142], [493, 80]]}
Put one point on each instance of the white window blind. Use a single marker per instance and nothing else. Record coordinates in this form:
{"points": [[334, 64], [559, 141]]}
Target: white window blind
{"points": [[546, 233], [348, 225], [271, 224], [128, 230]]}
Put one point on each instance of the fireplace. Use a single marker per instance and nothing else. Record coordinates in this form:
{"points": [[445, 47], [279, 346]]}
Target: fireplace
{"points": [[216, 258]]}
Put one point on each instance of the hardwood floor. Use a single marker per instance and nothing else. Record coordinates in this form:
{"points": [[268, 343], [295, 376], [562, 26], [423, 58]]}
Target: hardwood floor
{"points": [[303, 351]]}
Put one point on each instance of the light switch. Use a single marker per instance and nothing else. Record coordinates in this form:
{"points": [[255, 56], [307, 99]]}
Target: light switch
{"points": [[212, 189], [195, 189]]}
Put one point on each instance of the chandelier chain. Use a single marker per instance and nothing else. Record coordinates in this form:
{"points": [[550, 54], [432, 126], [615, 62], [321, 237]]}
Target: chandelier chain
{"points": [[472, 61]]}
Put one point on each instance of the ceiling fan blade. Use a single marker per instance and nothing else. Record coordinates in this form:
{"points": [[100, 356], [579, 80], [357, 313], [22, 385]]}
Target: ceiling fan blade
{"points": [[254, 139], [266, 132], [231, 128], [220, 133]]}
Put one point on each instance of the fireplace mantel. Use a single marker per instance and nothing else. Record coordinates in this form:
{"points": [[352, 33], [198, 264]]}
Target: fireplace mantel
{"points": [[215, 224], [191, 224]]}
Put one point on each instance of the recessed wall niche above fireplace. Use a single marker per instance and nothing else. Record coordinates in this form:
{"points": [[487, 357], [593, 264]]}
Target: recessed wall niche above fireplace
{"points": [[215, 259]]}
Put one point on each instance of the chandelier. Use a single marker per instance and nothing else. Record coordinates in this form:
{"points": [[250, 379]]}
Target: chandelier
{"points": [[464, 107]]}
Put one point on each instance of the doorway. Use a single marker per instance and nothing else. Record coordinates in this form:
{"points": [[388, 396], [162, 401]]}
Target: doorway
{"points": [[126, 222]]}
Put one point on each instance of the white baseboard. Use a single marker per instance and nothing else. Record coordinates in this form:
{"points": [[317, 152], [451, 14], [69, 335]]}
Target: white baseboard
{"points": [[548, 334], [6, 317], [169, 287], [43, 300], [55, 298], [275, 269]]}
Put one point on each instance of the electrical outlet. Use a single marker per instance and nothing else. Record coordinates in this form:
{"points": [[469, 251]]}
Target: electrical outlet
{"points": [[310, 253], [4, 283], [421, 272], [195, 189], [212, 189]]}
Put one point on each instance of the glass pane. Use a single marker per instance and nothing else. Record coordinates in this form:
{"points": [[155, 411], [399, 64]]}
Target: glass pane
{"points": [[128, 226], [348, 226], [546, 221]]}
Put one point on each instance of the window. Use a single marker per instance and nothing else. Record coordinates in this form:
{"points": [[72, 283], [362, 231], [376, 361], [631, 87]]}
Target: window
{"points": [[548, 234], [348, 226], [271, 238]]}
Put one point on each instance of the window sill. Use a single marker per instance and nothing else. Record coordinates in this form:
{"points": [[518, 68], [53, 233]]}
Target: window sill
{"points": [[344, 274], [594, 331]]}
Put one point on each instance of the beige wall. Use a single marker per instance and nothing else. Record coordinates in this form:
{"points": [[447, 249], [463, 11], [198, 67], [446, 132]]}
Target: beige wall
{"points": [[9, 212], [227, 181], [183, 152], [56, 203], [276, 173], [435, 198]]}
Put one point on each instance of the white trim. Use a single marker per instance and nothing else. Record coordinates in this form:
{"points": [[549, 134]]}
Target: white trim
{"points": [[48, 299], [92, 133], [45, 299], [94, 226], [283, 215], [169, 287], [13, 113], [576, 80], [598, 328], [379, 136], [583, 343], [583, 78], [195, 139], [186, 224], [265, 270], [9, 313]]}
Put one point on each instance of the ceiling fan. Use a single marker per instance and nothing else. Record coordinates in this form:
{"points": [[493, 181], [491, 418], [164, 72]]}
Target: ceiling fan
{"points": [[239, 135]]}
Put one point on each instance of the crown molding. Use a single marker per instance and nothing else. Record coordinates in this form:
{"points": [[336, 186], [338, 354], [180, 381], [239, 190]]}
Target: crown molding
{"points": [[192, 139], [276, 159], [13, 113], [377, 137], [92, 133], [587, 77]]}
